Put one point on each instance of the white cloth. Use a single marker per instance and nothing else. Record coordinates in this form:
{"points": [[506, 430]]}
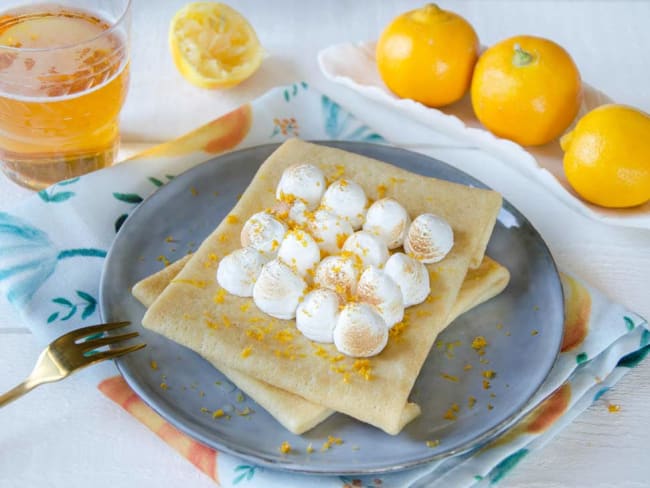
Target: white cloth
{"points": [[53, 245]]}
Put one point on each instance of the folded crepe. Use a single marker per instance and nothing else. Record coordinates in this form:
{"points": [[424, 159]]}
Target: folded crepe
{"points": [[195, 312], [294, 412]]}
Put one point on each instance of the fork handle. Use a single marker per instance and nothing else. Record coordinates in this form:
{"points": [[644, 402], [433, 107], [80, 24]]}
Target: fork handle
{"points": [[16, 392]]}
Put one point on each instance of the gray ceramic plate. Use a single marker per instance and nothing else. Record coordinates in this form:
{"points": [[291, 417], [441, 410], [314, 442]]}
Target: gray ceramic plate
{"points": [[523, 326]]}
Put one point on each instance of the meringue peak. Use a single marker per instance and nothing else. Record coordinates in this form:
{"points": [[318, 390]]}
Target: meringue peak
{"points": [[278, 290], [304, 182], [360, 331], [429, 238], [348, 200]]}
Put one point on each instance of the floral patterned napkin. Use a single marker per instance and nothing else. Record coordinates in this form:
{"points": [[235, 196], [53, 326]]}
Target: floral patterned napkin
{"points": [[52, 248]]}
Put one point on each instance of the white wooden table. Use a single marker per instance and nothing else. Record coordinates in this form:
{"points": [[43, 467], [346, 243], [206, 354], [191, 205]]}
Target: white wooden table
{"points": [[66, 434]]}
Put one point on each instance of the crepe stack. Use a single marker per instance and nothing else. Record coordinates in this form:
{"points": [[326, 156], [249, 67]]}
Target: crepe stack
{"points": [[231, 332], [295, 413]]}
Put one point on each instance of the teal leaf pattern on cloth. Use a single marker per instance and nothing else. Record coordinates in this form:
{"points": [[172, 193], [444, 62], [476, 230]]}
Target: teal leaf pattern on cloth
{"points": [[51, 195], [159, 182], [504, 467], [89, 305], [645, 338], [342, 125], [69, 181], [581, 358], [31, 258], [292, 90], [629, 323], [246, 472], [155, 181], [89, 253], [600, 393], [72, 309], [119, 222], [632, 359], [55, 197], [132, 198], [28, 258]]}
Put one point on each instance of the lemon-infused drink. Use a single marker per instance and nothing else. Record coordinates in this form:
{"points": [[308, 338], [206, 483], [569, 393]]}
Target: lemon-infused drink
{"points": [[63, 79]]}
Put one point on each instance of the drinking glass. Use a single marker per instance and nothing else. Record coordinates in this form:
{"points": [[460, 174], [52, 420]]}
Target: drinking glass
{"points": [[64, 73]]}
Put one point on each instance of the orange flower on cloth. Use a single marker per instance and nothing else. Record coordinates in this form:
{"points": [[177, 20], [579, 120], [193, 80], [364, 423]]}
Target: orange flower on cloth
{"points": [[199, 455], [542, 417], [220, 135], [577, 310]]}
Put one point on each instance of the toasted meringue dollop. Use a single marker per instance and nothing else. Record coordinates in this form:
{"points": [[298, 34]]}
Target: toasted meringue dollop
{"points": [[304, 182], [299, 213], [360, 331], [238, 271], [329, 231], [348, 200], [371, 249], [377, 288], [388, 220], [263, 232], [339, 274], [280, 210], [300, 251], [429, 238], [278, 290], [317, 314], [411, 276]]}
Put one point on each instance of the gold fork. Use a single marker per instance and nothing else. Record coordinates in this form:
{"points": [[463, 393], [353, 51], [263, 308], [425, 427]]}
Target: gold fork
{"points": [[72, 352]]}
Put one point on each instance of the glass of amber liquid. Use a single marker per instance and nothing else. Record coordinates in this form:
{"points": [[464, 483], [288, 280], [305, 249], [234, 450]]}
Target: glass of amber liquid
{"points": [[64, 71]]}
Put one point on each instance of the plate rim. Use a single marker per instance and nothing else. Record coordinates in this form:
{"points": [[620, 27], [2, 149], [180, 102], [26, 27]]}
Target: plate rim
{"points": [[260, 459]]}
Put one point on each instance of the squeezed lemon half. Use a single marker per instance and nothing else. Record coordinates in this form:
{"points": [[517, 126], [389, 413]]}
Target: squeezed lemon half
{"points": [[213, 45]]}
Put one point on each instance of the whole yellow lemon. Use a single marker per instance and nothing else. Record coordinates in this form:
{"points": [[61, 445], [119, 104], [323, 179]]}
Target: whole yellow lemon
{"points": [[607, 156], [428, 55], [526, 89]]}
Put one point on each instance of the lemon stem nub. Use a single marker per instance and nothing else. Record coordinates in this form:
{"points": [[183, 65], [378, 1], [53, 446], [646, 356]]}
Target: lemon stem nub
{"points": [[565, 141], [425, 14], [521, 57]]}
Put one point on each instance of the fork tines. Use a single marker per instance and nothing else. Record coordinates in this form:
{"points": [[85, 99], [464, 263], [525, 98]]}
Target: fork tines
{"points": [[113, 353], [106, 340], [87, 339], [78, 334]]}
